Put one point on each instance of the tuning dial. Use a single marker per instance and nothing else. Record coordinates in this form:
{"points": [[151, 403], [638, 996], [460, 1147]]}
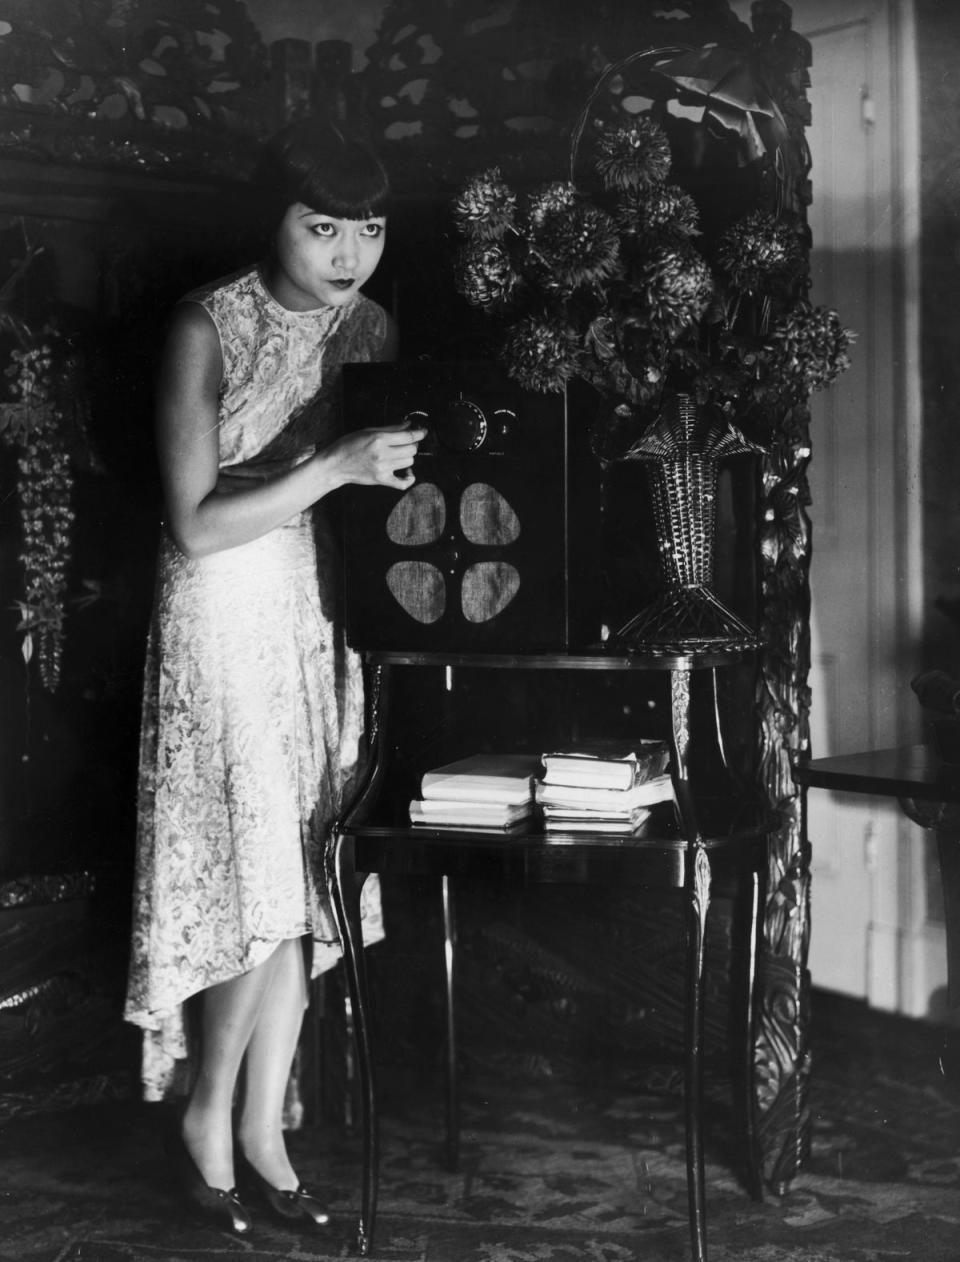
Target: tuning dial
{"points": [[462, 426]]}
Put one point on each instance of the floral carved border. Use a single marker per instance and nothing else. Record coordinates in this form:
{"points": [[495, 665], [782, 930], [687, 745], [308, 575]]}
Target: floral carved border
{"points": [[782, 694], [139, 84]]}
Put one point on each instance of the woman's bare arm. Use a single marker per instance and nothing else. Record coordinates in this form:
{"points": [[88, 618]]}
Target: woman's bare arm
{"points": [[202, 521]]}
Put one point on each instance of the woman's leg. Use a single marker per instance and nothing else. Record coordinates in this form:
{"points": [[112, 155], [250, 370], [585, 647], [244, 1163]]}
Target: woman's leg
{"points": [[270, 1053], [229, 1016]]}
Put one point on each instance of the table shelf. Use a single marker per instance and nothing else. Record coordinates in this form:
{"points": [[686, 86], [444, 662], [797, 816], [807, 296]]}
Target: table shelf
{"points": [[598, 659]]}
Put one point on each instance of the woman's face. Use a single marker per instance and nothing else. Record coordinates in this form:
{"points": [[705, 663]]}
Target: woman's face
{"points": [[320, 261]]}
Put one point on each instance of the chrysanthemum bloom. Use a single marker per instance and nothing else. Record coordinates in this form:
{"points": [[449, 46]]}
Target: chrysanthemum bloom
{"points": [[540, 354], [674, 287], [486, 206], [485, 275], [759, 249], [578, 244], [663, 213], [635, 155], [807, 350], [550, 199]]}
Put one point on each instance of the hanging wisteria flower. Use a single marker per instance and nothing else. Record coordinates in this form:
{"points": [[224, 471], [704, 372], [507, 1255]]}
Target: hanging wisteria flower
{"points": [[45, 486], [807, 349], [44, 491], [636, 155], [578, 244], [673, 288], [486, 206], [757, 250], [485, 275], [663, 213], [541, 354], [549, 200]]}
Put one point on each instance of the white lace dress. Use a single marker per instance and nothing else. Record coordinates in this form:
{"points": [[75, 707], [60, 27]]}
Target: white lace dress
{"points": [[253, 707]]}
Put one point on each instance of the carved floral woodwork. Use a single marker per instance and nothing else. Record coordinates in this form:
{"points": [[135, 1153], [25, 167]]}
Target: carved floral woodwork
{"points": [[783, 695], [446, 84], [150, 84], [52, 887]]}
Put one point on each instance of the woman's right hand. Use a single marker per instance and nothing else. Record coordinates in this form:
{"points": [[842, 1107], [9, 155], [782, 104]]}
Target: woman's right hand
{"points": [[202, 521], [381, 456]]}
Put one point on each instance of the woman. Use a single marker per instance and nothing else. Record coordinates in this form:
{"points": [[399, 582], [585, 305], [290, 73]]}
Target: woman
{"points": [[253, 705]]}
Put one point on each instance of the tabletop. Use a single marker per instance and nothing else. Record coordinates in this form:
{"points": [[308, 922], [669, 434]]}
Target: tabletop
{"points": [[907, 771]]}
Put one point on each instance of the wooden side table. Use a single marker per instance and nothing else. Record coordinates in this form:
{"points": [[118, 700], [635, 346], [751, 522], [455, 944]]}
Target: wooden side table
{"points": [[685, 853], [928, 791]]}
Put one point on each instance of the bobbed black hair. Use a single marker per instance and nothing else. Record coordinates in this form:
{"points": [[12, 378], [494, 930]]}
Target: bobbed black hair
{"points": [[317, 162]]}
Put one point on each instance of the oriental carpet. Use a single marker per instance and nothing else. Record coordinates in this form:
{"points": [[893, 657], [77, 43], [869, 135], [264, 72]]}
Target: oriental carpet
{"points": [[550, 1172]]}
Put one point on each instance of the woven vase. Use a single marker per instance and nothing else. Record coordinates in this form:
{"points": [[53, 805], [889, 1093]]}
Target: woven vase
{"points": [[682, 452]]}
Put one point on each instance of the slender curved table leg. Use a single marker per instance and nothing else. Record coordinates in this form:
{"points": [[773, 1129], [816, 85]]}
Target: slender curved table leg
{"points": [[749, 1097], [345, 884], [697, 905], [453, 1077], [717, 720]]}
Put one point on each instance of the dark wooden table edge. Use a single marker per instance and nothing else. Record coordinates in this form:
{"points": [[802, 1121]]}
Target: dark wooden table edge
{"points": [[907, 771]]}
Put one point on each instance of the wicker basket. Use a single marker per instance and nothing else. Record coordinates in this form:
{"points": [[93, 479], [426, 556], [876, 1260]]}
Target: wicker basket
{"points": [[682, 451]]}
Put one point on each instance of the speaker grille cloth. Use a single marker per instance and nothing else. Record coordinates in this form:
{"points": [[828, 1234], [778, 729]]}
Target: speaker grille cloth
{"points": [[418, 517], [418, 587], [486, 517], [488, 587]]}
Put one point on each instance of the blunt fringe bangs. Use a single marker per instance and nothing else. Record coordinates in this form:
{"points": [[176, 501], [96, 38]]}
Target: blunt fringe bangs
{"points": [[333, 172]]}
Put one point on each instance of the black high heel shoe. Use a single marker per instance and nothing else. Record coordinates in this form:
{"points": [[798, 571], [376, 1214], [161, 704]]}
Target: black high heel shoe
{"points": [[223, 1208], [287, 1207]]}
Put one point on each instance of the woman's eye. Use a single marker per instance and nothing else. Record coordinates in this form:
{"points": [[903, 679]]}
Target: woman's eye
{"points": [[324, 229], [372, 229]]}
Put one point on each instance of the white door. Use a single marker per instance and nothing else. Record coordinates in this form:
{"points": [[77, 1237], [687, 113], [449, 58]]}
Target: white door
{"points": [[866, 855]]}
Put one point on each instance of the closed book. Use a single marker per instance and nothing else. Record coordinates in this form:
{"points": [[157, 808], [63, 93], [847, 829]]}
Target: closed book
{"points": [[645, 793], [556, 820], [604, 763], [506, 778], [517, 827], [581, 824], [467, 813]]}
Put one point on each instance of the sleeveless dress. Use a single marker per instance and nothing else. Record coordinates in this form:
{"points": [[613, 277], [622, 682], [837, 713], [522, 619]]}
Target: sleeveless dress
{"points": [[253, 705]]}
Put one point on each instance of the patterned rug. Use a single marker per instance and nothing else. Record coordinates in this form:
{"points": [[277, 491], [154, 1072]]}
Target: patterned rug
{"points": [[550, 1172]]}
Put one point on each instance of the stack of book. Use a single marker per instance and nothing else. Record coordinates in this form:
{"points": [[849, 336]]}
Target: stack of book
{"points": [[486, 792], [603, 786]]}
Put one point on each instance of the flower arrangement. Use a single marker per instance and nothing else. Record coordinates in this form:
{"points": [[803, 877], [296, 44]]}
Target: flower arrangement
{"points": [[609, 278], [43, 420]]}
